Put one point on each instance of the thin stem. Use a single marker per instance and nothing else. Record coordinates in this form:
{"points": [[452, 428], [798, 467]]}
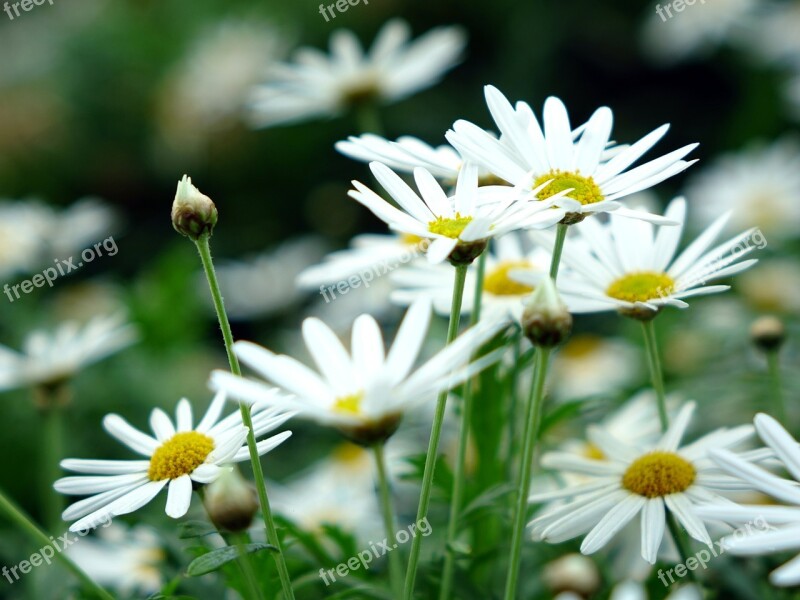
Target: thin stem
{"points": [[558, 249], [656, 374], [681, 542], [16, 515], [463, 445], [533, 417], [204, 250], [774, 368], [436, 432], [245, 562], [368, 119], [395, 566], [53, 443]]}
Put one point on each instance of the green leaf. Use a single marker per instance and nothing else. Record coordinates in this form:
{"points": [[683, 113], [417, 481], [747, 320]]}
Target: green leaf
{"points": [[193, 529], [221, 556], [488, 499]]}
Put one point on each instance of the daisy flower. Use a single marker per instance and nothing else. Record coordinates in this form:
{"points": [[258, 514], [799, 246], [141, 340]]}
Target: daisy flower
{"points": [[632, 480], [759, 184], [502, 294], [177, 457], [625, 266], [769, 539], [590, 365], [49, 358], [365, 393], [459, 226], [317, 85], [548, 161]]}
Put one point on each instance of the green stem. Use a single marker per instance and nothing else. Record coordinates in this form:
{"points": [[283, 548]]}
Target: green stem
{"points": [[656, 373], [52, 453], [558, 249], [395, 566], [681, 542], [436, 432], [204, 250], [368, 119], [774, 368], [463, 444], [532, 423], [245, 562], [16, 515]]}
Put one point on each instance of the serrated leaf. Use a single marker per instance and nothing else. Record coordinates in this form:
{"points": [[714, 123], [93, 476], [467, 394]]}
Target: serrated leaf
{"points": [[221, 556]]}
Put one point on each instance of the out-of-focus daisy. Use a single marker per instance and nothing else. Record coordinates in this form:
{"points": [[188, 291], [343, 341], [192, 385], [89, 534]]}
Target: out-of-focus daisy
{"points": [[773, 286], [769, 539], [178, 457], [551, 155], [22, 236], [459, 226], [626, 266], [502, 294], [127, 560], [318, 85], [634, 590], [49, 358], [760, 185], [635, 479], [80, 226], [669, 37], [250, 282], [572, 574], [590, 365], [365, 393]]}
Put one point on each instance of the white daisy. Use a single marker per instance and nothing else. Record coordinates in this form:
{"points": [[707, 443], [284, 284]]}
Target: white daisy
{"points": [[459, 226], [319, 85], [773, 286], [23, 229], [502, 294], [177, 457], [550, 155], [49, 358], [590, 365], [632, 479], [769, 539], [365, 393], [625, 266], [759, 184]]}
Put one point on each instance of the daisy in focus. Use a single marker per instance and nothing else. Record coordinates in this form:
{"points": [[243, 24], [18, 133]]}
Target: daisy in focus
{"points": [[627, 266], [770, 539], [178, 456], [365, 392], [459, 226], [50, 358], [318, 85], [548, 161], [632, 480]]}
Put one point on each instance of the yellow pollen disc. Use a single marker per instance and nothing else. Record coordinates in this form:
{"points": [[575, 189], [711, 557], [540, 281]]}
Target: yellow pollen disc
{"points": [[360, 93], [350, 405], [498, 283], [641, 287], [348, 453], [409, 239], [584, 189], [581, 346], [593, 452], [179, 455], [451, 228], [659, 474]]}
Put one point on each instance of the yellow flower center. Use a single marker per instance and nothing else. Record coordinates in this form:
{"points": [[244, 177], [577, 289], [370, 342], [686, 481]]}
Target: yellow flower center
{"points": [[641, 287], [593, 452], [360, 93], [581, 346], [659, 474], [498, 283], [179, 455], [350, 405], [584, 189], [451, 228]]}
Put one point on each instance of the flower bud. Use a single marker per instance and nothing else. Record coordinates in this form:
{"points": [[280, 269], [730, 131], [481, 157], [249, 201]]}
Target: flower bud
{"points": [[193, 213], [572, 573], [231, 501], [546, 320], [768, 333]]}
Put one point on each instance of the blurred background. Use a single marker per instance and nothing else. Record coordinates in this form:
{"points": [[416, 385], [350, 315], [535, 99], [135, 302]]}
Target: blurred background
{"points": [[115, 101]]}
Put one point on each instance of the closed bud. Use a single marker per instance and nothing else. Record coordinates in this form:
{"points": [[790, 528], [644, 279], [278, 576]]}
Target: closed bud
{"points": [[231, 501], [768, 333], [546, 321], [193, 213]]}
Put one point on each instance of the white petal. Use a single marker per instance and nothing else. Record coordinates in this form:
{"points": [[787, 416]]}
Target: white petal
{"points": [[614, 520], [653, 522], [213, 413], [161, 425], [179, 496], [130, 436]]}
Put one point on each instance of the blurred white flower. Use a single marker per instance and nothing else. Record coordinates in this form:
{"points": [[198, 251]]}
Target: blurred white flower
{"points": [[22, 232], [260, 285], [633, 590], [760, 185], [48, 358], [318, 85], [671, 36], [591, 365], [773, 286], [127, 560]]}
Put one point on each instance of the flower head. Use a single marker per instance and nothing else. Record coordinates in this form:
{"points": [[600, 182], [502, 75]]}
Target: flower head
{"points": [[178, 456]]}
